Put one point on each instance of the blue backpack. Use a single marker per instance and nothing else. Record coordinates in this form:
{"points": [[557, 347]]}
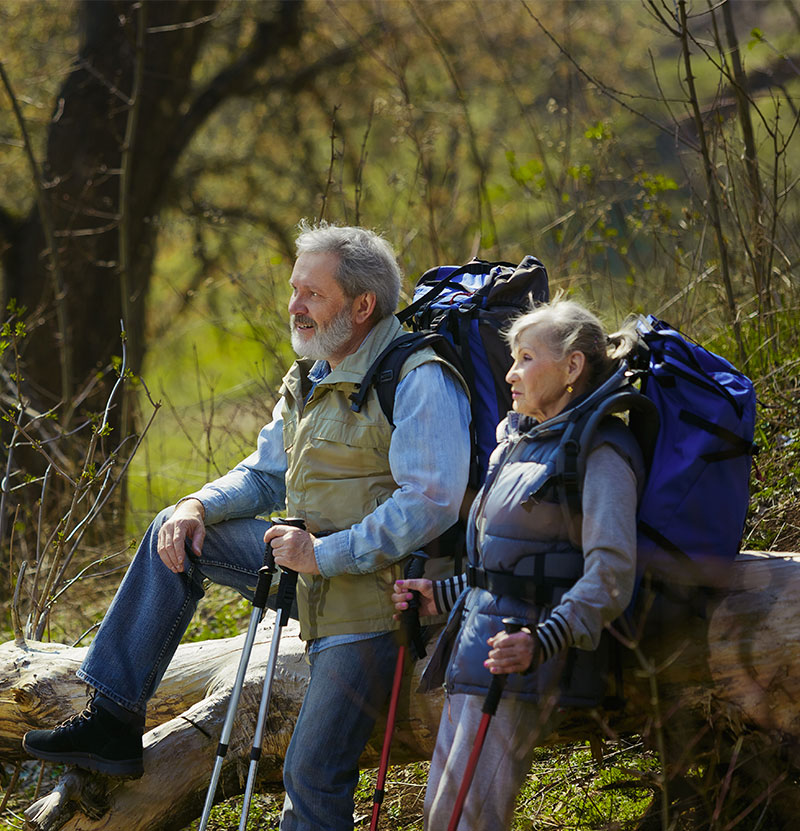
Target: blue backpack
{"points": [[461, 311], [694, 417]]}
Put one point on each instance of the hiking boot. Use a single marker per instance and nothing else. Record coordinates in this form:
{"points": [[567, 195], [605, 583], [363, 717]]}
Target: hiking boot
{"points": [[95, 740]]}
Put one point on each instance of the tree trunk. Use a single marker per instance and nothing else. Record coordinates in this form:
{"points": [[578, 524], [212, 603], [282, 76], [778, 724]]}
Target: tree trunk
{"points": [[81, 261], [79, 304], [720, 678]]}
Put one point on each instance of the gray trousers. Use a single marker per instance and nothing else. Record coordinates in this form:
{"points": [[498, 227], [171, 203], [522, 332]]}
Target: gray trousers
{"points": [[514, 732]]}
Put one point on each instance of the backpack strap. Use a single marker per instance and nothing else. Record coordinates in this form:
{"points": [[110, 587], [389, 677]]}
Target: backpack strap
{"points": [[738, 445], [579, 434], [553, 574], [384, 372], [384, 375]]}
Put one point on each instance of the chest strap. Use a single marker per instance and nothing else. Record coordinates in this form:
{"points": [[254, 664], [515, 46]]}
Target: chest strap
{"points": [[539, 589]]}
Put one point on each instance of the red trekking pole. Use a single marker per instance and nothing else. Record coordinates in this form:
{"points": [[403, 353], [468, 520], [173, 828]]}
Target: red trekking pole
{"points": [[412, 636], [512, 624]]}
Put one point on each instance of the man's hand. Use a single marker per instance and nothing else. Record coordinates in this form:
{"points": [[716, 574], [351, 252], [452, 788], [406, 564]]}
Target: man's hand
{"points": [[292, 548], [510, 653], [185, 522]]}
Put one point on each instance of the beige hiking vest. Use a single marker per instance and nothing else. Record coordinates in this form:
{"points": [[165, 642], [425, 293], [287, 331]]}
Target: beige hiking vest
{"points": [[338, 472]]}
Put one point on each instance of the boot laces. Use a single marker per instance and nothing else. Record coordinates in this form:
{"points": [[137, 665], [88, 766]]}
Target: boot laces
{"points": [[75, 720]]}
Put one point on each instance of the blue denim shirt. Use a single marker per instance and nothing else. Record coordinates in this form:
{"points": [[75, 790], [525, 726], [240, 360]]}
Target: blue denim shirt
{"points": [[429, 460]]}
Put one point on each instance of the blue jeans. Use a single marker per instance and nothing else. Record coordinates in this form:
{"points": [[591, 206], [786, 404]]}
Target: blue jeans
{"points": [[349, 687], [349, 684], [153, 607]]}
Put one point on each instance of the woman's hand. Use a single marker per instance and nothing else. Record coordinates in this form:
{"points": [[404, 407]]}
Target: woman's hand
{"points": [[402, 595], [510, 653]]}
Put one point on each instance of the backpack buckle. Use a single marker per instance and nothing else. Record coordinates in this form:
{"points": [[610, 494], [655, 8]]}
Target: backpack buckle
{"points": [[571, 448]]}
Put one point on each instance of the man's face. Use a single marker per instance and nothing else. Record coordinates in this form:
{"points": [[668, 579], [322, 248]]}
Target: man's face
{"points": [[321, 314]]}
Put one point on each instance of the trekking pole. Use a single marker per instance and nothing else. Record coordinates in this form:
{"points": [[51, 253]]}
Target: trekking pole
{"points": [[287, 589], [265, 574], [413, 636], [512, 624]]}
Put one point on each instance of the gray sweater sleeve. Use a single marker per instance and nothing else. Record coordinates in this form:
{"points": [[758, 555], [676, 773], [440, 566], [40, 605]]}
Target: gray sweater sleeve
{"points": [[610, 494]]}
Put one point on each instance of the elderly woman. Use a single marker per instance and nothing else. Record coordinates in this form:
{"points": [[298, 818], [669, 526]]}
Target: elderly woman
{"points": [[567, 577]]}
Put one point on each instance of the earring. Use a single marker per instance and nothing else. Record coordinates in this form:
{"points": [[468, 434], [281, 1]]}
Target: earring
{"points": [[569, 387]]}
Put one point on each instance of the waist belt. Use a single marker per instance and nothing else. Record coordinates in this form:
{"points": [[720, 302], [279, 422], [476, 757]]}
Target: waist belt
{"points": [[538, 589]]}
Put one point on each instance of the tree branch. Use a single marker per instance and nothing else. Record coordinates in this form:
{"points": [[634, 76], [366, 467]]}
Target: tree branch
{"points": [[239, 77], [9, 226]]}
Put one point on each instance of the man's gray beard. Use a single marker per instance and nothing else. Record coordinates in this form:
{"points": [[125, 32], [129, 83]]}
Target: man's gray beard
{"points": [[326, 342]]}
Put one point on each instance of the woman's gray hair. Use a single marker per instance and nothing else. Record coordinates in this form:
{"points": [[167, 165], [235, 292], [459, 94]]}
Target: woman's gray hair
{"points": [[366, 261], [566, 326]]}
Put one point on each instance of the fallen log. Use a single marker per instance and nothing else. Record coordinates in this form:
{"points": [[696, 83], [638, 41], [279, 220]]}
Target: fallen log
{"points": [[725, 668]]}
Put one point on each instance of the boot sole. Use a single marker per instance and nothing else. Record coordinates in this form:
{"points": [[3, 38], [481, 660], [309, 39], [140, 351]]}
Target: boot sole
{"points": [[118, 769]]}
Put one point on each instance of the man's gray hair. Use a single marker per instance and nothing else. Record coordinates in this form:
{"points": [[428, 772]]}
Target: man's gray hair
{"points": [[367, 262]]}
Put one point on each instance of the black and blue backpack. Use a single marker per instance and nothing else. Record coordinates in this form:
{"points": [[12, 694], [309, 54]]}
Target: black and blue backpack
{"points": [[693, 414], [691, 410], [461, 312]]}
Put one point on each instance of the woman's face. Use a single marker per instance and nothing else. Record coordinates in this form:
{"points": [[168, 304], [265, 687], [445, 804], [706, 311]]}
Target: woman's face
{"points": [[538, 380]]}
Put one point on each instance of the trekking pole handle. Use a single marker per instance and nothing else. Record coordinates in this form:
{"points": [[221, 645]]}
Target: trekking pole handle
{"points": [[267, 571], [410, 615], [511, 624], [287, 588], [265, 574]]}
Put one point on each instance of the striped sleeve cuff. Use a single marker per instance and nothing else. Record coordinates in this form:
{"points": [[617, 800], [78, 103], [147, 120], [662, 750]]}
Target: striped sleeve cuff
{"points": [[446, 592], [554, 636]]}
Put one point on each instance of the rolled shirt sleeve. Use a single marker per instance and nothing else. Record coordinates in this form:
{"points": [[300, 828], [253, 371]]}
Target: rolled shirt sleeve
{"points": [[429, 459]]}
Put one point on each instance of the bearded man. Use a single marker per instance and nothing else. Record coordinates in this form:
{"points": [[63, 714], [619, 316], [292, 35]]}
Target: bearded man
{"points": [[370, 493]]}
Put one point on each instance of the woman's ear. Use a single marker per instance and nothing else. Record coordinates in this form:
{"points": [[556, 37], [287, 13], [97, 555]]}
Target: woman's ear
{"points": [[576, 362]]}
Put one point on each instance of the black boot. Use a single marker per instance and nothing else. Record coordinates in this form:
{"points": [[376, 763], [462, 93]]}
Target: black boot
{"points": [[94, 739]]}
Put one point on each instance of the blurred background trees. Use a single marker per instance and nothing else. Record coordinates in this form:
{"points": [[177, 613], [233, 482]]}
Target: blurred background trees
{"points": [[155, 158]]}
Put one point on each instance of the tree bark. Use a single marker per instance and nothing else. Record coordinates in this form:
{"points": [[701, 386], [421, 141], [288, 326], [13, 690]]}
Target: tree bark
{"points": [[724, 669], [134, 69]]}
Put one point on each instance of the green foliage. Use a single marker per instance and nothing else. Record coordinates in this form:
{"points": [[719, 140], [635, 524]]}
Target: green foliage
{"points": [[264, 814], [567, 789], [599, 132], [224, 615], [451, 146], [37, 49]]}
